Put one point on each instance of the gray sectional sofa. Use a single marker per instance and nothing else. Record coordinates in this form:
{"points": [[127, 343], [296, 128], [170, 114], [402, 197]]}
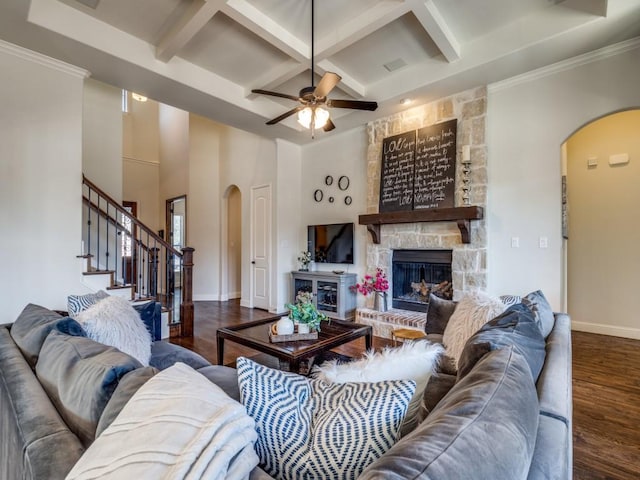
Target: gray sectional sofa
{"points": [[492, 420]]}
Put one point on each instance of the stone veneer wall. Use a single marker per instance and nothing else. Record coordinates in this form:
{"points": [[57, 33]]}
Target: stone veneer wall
{"points": [[469, 269]]}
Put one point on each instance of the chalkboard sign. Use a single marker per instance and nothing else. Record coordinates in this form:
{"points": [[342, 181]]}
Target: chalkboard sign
{"points": [[435, 166], [396, 176]]}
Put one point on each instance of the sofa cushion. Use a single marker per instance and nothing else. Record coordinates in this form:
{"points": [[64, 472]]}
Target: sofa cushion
{"points": [[311, 429], [113, 321], [415, 361], [439, 311], [165, 354], [127, 387], [224, 377], [517, 327], [473, 311], [36, 443], [80, 375], [178, 425], [31, 328], [79, 303], [538, 304], [485, 428]]}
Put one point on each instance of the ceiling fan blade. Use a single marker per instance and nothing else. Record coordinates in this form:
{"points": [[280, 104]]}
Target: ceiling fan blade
{"points": [[285, 115], [328, 81], [275, 94], [354, 104], [328, 126]]}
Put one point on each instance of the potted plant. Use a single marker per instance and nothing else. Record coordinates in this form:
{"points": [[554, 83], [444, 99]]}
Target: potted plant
{"points": [[305, 259], [304, 313], [378, 285]]}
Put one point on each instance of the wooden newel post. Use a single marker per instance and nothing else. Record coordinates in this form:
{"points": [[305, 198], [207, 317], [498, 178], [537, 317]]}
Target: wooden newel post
{"points": [[186, 307]]}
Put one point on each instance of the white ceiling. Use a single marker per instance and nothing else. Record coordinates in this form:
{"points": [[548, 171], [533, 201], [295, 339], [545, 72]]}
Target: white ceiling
{"points": [[205, 56]]}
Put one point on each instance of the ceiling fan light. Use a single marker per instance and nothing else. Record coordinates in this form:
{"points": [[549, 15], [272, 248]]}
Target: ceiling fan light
{"points": [[319, 119]]}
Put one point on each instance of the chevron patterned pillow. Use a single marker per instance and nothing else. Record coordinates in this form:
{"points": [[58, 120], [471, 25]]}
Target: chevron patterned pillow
{"points": [[312, 429]]}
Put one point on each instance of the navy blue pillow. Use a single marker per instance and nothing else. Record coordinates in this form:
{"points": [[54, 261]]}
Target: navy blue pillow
{"points": [[150, 314], [515, 326]]}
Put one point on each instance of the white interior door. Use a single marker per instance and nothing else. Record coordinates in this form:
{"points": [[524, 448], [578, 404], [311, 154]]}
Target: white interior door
{"points": [[261, 245]]}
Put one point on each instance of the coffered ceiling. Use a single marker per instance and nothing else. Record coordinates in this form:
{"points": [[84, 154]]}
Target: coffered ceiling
{"points": [[206, 56]]}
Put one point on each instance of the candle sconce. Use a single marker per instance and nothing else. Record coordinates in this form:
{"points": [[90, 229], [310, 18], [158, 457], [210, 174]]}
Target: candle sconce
{"points": [[466, 172]]}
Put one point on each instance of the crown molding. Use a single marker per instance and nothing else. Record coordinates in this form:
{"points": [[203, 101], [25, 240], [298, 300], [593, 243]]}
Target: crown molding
{"points": [[43, 60], [564, 65]]}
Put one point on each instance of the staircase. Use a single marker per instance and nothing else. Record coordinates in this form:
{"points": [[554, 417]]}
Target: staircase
{"points": [[124, 257]]}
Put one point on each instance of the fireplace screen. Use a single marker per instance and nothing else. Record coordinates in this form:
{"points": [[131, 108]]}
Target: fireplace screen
{"points": [[416, 274]]}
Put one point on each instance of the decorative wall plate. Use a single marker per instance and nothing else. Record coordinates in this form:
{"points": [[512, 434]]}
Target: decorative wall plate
{"points": [[318, 195], [328, 180], [343, 182], [348, 200]]}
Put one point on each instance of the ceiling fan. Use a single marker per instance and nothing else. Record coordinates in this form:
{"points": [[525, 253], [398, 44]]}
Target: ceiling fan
{"points": [[312, 110]]}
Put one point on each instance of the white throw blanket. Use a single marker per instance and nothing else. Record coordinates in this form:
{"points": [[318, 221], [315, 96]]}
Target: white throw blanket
{"points": [[178, 425]]}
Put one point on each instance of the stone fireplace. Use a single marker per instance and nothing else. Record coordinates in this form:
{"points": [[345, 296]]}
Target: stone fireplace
{"points": [[468, 260], [416, 274]]}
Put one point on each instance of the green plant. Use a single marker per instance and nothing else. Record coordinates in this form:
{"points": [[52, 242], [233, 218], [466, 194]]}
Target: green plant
{"points": [[304, 311]]}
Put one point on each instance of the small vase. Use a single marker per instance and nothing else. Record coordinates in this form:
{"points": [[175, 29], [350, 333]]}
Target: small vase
{"points": [[284, 326], [380, 301], [303, 328]]}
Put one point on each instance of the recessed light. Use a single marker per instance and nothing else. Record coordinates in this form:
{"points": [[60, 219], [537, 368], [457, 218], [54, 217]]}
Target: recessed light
{"points": [[405, 101], [138, 97], [395, 64]]}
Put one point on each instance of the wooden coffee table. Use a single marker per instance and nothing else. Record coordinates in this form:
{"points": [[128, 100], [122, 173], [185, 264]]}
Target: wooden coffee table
{"points": [[292, 354]]}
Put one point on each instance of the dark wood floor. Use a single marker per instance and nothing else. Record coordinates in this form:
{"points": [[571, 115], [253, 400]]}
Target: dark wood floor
{"points": [[606, 389]]}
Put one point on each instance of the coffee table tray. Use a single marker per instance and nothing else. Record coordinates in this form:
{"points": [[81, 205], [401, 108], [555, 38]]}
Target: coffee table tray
{"points": [[294, 337]]}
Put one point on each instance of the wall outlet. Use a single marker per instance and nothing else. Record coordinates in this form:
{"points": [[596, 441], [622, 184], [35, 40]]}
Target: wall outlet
{"points": [[543, 242], [515, 242]]}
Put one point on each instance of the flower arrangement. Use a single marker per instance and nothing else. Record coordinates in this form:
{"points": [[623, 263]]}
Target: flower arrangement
{"points": [[305, 259], [370, 284], [304, 311]]}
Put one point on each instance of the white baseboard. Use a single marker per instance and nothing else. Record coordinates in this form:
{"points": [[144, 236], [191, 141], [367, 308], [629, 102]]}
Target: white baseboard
{"points": [[234, 295], [602, 329], [206, 297], [244, 303]]}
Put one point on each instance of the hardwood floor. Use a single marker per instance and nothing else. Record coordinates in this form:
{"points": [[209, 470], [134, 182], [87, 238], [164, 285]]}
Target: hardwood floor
{"points": [[606, 389], [606, 407]]}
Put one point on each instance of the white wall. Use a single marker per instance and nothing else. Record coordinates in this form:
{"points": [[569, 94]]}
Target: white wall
{"points": [[342, 154], [40, 180], [203, 207], [140, 161], [528, 120], [603, 254], [288, 217], [174, 157], [102, 137], [247, 160], [234, 244]]}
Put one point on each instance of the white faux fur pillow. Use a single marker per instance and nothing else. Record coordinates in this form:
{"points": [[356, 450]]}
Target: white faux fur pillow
{"points": [[113, 321], [412, 361], [472, 312]]}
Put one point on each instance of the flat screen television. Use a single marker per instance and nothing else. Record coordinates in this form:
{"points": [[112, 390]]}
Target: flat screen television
{"points": [[331, 243]]}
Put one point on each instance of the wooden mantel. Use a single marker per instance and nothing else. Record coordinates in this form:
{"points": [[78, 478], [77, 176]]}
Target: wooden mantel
{"points": [[461, 215]]}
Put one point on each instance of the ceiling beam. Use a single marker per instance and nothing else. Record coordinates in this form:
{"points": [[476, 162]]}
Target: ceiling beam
{"points": [[359, 27], [277, 76], [262, 25], [435, 25], [199, 13], [348, 84]]}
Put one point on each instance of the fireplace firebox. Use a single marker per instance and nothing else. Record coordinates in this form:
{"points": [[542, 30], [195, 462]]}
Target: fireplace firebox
{"points": [[416, 274]]}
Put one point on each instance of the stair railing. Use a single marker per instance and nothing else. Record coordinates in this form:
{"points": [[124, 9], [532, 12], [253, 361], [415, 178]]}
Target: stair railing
{"points": [[117, 242]]}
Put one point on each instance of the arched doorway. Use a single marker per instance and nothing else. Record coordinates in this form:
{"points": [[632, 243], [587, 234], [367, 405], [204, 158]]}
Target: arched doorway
{"points": [[232, 244], [603, 259]]}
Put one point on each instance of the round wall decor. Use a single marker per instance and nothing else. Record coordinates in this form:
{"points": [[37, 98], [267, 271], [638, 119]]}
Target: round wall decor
{"points": [[318, 195], [328, 180], [348, 200], [343, 182], [330, 199]]}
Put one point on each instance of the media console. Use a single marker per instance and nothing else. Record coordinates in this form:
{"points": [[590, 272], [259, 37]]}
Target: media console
{"points": [[332, 293]]}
